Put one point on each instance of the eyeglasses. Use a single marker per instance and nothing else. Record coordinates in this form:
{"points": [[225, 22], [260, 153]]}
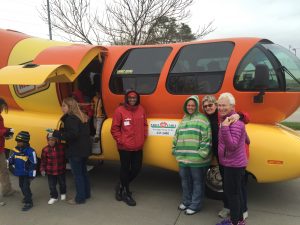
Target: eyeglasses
{"points": [[208, 105]]}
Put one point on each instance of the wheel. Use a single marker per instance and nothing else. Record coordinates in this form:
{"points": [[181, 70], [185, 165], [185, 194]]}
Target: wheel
{"points": [[213, 185]]}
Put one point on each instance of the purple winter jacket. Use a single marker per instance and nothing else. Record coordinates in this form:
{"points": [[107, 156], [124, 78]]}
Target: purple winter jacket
{"points": [[231, 148]]}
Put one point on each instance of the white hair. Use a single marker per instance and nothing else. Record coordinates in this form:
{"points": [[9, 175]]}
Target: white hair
{"points": [[229, 96]]}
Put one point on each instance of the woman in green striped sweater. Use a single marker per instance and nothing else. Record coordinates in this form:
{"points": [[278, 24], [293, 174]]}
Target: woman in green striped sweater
{"points": [[192, 150]]}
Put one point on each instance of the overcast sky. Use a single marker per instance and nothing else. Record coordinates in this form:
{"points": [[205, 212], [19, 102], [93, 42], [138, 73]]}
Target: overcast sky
{"points": [[276, 20]]}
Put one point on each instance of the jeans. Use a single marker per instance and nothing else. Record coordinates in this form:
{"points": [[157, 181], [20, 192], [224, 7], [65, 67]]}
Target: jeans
{"points": [[24, 184], [193, 186], [82, 183], [52, 182], [131, 164], [4, 175], [233, 181]]}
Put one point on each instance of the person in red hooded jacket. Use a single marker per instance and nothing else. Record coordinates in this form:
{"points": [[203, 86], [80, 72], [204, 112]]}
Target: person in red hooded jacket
{"points": [[129, 129]]}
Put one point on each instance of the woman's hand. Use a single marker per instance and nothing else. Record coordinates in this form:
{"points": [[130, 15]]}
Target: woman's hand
{"points": [[227, 122], [233, 118]]}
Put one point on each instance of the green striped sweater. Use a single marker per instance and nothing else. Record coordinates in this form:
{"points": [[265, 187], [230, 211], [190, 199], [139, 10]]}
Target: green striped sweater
{"points": [[192, 140]]}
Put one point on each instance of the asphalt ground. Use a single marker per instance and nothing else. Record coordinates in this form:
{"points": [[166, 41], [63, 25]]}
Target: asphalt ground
{"points": [[157, 192]]}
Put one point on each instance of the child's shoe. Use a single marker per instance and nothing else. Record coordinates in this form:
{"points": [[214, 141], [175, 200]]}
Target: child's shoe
{"points": [[27, 206], [52, 201], [63, 197], [225, 222]]}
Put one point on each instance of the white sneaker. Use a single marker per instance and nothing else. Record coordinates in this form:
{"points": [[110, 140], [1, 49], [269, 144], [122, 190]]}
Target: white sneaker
{"points": [[224, 213], [190, 212], [52, 201], [182, 207], [63, 197], [245, 215]]}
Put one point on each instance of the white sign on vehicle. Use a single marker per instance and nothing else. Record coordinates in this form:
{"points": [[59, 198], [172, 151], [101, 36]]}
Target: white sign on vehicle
{"points": [[162, 127]]}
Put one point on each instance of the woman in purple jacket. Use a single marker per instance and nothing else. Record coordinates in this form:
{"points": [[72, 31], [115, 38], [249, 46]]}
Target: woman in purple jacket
{"points": [[232, 156]]}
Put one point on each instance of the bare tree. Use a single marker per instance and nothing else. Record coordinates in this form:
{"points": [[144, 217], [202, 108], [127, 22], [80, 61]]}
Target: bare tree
{"points": [[124, 21]]}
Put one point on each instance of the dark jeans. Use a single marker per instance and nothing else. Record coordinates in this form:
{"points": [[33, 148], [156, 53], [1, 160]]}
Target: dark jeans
{"points": [[193, 186], [82, 182], [24, 184], [233, 181], [52, 182], [244, 190], [131, 164]]}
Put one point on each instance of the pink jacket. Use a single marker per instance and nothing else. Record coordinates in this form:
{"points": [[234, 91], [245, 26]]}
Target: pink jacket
{"points": [[231, 149]]}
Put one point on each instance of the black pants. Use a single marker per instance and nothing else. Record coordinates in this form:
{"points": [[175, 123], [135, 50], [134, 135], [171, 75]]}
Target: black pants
{"points": [[24, 184], [52, 182], [233, 181], [131, 164], [244, 190]]}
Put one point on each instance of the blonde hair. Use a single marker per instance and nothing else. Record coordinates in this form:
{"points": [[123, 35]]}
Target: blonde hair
{"points": [[208, 98], [229, 96], [74, 109]]}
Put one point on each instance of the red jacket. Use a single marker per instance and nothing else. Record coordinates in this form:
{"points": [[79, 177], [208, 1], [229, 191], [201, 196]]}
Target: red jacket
{"points": [[129, 127], [2, 132], [53, 160]]}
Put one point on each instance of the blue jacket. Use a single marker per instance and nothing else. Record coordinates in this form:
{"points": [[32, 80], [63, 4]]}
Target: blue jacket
{"points": [[24, 161]]}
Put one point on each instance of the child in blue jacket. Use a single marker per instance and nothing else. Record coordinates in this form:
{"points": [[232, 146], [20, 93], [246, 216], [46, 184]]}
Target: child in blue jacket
{"points": [[24, 161]]}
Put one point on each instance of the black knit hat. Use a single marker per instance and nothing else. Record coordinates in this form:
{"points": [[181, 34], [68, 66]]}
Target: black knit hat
{"points": [[23, 136]]}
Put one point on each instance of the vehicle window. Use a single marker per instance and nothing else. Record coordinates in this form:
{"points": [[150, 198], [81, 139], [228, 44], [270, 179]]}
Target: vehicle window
{"points": [[290, 62], [250, 77], [199, 68], [139, 69]]}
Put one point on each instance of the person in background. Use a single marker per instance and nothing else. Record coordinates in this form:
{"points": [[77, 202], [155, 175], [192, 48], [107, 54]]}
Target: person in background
{"points": [[192, 149], [76, 133], [129, 129], [98, 115], [232, 156], [210, 108], [24, 161], [53, 163], [5, 133]]}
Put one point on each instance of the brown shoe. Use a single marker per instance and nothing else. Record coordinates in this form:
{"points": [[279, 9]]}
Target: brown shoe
{"points": [[72, 201], [9, 193]]}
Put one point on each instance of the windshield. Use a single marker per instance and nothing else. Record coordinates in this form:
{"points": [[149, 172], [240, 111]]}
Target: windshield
{"points": [[290, 62]]}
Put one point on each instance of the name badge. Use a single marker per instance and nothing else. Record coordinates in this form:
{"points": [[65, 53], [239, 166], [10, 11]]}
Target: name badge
{"points": [[126, 123]]}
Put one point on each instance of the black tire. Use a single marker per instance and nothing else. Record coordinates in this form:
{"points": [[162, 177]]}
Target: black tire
{"points": [[209, 193], [213, 186]]}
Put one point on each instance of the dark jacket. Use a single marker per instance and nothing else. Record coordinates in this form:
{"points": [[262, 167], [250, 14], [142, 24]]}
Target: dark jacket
{"points": [[77, 136]]}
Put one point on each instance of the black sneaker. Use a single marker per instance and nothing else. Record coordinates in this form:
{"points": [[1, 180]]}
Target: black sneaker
{"points": [[27, 206], [127, 198], [119, 192]]}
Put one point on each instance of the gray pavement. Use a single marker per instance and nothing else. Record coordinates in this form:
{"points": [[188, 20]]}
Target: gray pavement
{"points": [[157, 193], [295, 117]]}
